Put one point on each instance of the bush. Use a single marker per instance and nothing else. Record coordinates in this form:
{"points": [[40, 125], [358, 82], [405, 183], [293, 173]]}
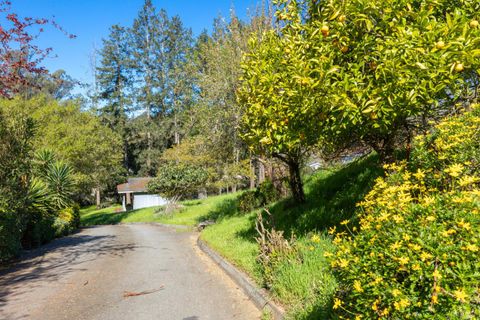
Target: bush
{"points": [[175, 181], [39, 229], [415, 254], [266, 193], [10, 235], [247, 201], [67, 221]]}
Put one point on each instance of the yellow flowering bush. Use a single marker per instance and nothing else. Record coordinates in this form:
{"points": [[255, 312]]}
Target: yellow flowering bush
{"points": [[415, 251]]}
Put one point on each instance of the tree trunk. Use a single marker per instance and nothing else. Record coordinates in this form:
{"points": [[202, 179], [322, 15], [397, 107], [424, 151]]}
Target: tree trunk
{"points": [[261, 172], [97, 197], [125, 154], [176, 136], [252, 175], [386, 150], [295, 181], [234, 188]]}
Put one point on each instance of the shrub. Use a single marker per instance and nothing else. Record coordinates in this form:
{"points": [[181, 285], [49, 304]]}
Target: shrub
{"points": [[16, 133], [266, 193], [175, 181], [39, 229], [415, 254], [10, 235], [247, 201], [67, 221], [76, 216]]}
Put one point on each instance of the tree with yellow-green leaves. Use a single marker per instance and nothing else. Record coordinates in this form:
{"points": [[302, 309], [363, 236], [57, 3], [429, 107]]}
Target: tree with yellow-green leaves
{"points": [[371, 71], [282, 118], [396, 64]]}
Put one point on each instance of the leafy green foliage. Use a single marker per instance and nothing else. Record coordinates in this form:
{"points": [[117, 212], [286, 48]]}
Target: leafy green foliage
{"points": [[53, 182], [78, 138], [416, 250], [385, 66], [175, 181], [247, 201], [67, 221], [16, 133], [266, 193]]}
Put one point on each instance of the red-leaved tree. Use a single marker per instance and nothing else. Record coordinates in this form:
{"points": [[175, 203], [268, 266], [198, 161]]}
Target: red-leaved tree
{"points": [[19, 56]]}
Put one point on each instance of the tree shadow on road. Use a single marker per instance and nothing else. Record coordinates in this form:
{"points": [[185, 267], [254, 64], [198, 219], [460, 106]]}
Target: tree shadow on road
{"points": [[50, 263]]}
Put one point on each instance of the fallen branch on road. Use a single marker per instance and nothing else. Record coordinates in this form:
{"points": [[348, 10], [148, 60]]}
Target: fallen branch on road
{"points": [[127, 294]]}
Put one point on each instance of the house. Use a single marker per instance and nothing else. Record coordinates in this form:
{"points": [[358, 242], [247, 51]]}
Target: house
{"points": [[135, 195]]}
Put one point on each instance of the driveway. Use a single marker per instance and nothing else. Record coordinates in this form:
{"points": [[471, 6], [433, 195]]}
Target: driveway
{"points": [[120, 272]]}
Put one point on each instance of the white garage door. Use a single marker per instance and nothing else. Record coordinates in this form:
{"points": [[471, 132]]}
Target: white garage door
{"points": [[147, 200]]}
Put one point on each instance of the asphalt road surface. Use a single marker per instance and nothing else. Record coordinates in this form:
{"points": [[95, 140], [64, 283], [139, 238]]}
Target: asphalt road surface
{"points": [[135, 272]]}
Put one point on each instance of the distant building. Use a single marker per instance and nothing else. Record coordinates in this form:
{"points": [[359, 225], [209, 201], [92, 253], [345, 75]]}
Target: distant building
{"points": [[135, 195]]}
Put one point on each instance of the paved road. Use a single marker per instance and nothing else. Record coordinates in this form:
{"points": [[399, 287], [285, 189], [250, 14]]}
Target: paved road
{"points": [[85, 276]]}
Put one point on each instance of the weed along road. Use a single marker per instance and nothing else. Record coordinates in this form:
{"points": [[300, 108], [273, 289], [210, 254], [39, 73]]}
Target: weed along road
{"points": [[136, 271]]}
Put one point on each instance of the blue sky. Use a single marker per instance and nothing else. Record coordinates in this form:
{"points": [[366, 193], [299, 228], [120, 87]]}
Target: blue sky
{"points": [[90, 20]]}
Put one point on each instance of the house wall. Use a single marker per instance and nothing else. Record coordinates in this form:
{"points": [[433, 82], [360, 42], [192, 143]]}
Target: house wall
{"points": [[147, 200]]}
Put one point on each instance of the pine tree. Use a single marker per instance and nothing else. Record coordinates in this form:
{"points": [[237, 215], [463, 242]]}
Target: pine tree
{"points": [[115, 85], [148, 44]]}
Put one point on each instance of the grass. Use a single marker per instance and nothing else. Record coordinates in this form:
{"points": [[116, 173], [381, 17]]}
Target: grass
{"points": [[233, 238], [305, 283], [192, 212]]}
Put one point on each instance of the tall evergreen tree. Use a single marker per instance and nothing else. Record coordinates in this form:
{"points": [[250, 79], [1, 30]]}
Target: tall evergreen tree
{"points": [[180, 76], [115, 85], [148, 44]]}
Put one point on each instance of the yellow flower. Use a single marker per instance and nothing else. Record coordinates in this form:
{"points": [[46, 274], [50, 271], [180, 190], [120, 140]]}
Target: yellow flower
{"points": [[468, 181], [378, 280], [419, 175], [464, 225], [327, 254], [454, 170], [460, 295], [357, 286], [343, 263], [395, 246], [428, 200], [416, 267], [425, 256], [396, 292], [402, 304], [471, 247], [344, 222], [415, 247], [397, 219], [434, 299], [315, 238], [337, 303], [403, 260], [436, 274], [311, 248], [430, 218]]}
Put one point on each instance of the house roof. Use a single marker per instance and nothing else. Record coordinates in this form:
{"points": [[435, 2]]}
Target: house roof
{"points": [[134, 185]]}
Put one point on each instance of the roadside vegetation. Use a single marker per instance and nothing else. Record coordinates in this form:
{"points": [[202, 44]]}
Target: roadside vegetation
{"points": [[189, 213], [250, 108]]}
